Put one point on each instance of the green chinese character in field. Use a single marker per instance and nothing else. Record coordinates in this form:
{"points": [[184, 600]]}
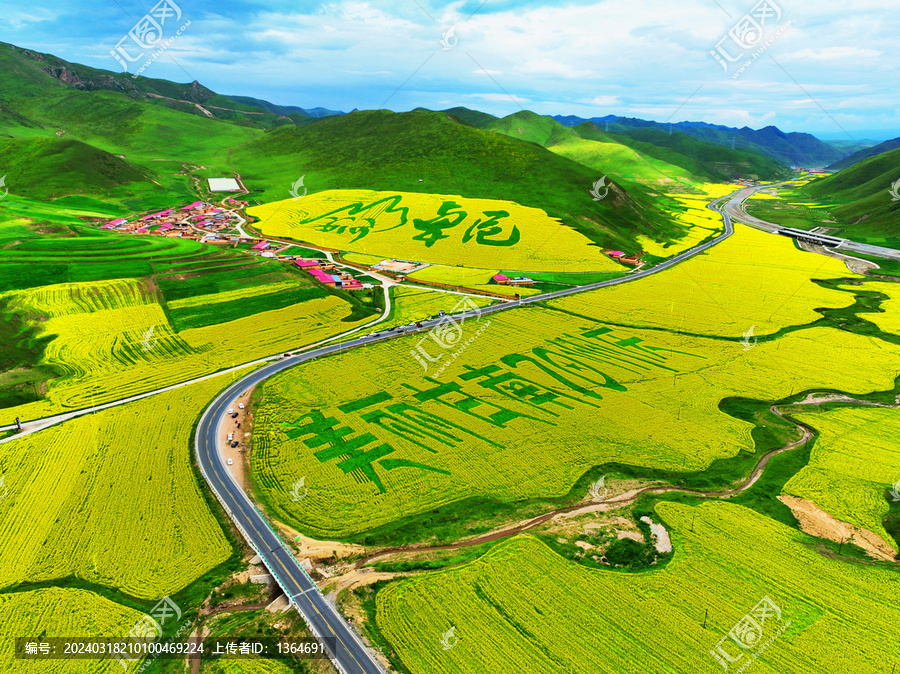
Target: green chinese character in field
{"points": [[433, 230], [491, 227]]}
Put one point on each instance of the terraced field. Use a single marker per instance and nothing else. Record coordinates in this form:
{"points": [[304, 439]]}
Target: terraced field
{"points": [[113, 339], [111, 498], [521, 607], [57, 612], [442, 229]]}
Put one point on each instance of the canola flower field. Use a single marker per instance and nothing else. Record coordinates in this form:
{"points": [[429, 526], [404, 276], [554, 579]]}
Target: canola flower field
{"points": [[464, 277], [703, 224], [751, 280], [542, 393], [436, 228], [58, 612], [419, 304], [854, 462], [521, 607], [112, 339], [111, 498]]}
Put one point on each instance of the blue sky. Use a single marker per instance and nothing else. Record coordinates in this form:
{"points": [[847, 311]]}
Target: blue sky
{"points": [[827, 67]]}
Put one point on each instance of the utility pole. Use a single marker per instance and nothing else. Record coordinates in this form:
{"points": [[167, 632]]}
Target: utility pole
{"points": [[19, 424], [733, 139], [841, 545]]}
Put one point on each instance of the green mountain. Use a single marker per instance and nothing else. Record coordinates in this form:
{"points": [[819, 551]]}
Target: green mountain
{"points": [[791, 149], [145, 143], [865, 153], [50, 168], [586, 145], [861, 197], [30, 73], [423, 151], [283, 110], [650, 157]]}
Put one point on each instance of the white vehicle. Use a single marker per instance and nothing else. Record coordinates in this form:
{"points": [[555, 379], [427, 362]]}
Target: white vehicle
{"points": [[231, 411], [241, 406], [230, 462], [230, 437]]}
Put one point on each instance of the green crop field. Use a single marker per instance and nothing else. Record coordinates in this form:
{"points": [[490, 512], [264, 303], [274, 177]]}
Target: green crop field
{"points": [[523, 608]]}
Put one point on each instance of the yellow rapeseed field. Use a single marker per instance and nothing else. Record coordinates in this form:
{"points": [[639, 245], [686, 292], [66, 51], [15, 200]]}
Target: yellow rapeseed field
{"points": [[853, 463], [889, 321], [751, 280], [231, 295], [703, 223], [476, 279], [113, 340], [523, 608], [111, 498], [418, 304], [439, 228], [58, 612], [545, 395]]}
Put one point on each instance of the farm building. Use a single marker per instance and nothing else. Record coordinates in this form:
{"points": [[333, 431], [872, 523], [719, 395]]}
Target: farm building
{"points": [[504, 280], [223, 185]]}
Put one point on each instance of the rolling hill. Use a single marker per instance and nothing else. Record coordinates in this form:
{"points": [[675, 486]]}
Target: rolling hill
{"points": [[866, 153], [861, 197], [50, 168], [793, 149], [652, 157], [423, 151]]}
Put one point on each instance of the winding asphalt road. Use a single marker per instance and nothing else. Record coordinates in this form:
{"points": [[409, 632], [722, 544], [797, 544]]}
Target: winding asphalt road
{"points": [[347, 651]]}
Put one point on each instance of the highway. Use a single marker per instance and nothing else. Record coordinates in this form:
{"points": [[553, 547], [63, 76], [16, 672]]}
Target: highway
{"points": [[348, 653], [735, 209]]}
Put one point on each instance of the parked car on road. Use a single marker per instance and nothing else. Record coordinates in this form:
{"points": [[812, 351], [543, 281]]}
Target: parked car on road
{"points": [[234, 416], [241, 406], [234, 444], [230, 462]]}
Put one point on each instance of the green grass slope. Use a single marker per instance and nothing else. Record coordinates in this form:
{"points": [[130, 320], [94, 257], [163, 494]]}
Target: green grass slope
{"points": [[866, 153], [423, 151], [49, 168], [600, 152], [861, 197], [699, 157]]}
